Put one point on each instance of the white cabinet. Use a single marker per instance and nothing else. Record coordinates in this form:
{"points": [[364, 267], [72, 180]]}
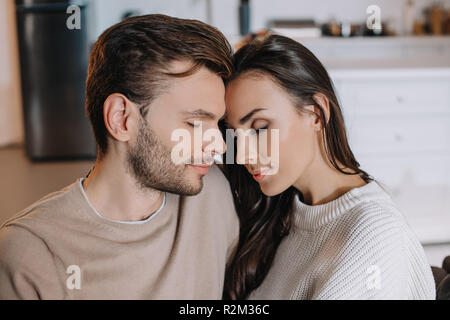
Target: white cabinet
{"points": [[398, 123]]}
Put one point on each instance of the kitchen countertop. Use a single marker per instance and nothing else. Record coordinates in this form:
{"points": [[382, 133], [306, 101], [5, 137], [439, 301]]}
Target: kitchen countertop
{"points": [[372, 56]]}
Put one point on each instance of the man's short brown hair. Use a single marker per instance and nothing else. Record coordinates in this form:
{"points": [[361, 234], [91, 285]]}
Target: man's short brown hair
{"points": [[132, 58]]}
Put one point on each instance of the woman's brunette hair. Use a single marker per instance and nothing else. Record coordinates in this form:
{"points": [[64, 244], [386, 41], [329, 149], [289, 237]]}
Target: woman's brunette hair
{"points": [[265, 221]]}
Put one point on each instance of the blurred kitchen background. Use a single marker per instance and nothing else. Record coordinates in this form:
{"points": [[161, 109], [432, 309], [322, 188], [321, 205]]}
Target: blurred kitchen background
{"points": [[393, 83]]}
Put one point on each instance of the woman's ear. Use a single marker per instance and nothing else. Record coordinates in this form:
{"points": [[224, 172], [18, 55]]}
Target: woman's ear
{"points": [[324, 104], [117, 114]]}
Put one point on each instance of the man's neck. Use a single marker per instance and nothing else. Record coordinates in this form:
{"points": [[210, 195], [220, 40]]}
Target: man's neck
{"points": [[115, 194]]}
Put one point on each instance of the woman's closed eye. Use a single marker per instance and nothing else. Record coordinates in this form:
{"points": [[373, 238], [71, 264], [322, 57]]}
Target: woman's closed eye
{"points": [[260, 125]]}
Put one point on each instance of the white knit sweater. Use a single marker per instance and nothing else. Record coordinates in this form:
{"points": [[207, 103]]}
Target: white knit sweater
{"points": [[358, 246]]}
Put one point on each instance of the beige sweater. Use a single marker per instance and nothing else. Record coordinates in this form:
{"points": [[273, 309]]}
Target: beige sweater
{"points": [[358, 246], [61, 248]]}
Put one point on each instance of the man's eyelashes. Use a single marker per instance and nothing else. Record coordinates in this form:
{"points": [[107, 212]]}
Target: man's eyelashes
{"points": [[194, 125]]}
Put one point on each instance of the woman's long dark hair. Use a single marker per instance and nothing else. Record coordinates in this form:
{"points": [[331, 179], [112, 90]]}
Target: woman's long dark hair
{"points": [[265, 221]]}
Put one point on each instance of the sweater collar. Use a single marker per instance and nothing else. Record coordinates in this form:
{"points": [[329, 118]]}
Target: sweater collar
{"points": [[313, 217]]}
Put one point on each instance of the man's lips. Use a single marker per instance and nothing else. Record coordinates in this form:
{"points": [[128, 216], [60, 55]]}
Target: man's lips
{"points": [[201, 169]]}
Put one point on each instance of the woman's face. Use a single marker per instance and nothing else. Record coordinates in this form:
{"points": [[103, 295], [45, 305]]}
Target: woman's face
{"points": [[256, 102]]}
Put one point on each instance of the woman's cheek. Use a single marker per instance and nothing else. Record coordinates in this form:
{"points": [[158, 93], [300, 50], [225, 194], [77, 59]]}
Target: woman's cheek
{"points": [[294, 152], [281, 180]]}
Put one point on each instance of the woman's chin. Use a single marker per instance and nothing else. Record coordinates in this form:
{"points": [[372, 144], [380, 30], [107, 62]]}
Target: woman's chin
{"points": [[270, 189]]}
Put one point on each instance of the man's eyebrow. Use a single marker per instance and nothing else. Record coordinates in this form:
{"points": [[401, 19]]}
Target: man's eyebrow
{"points": [[200, 113], [250, 114]]}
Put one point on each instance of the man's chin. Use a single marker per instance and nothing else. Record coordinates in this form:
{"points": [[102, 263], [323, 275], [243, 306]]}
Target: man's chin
{"points": [[194, 192], [189, 185], [194, 185]]}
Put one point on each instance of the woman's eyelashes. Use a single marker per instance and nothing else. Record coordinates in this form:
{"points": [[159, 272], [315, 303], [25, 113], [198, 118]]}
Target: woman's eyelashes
{"points": [[260, 129]]}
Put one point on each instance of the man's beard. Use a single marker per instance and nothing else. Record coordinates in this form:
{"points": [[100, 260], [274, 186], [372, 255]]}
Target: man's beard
{"points": [[150, 163]]}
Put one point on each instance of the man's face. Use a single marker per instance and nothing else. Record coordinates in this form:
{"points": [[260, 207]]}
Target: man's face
{"points": [[196, 99]]}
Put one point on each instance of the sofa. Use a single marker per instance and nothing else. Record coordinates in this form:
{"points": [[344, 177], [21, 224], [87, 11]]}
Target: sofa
{"points": [[442, 280]]}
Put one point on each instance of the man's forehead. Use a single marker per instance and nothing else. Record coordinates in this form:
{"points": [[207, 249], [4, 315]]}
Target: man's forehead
{"points": [[201, 93], [179, 66], [182, 71]]}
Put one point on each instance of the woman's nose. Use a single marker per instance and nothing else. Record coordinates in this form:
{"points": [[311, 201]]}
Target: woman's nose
{"points": [[247, 150]]}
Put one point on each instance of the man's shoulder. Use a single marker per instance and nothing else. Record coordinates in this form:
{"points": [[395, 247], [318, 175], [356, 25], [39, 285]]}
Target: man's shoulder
{"points": [[24, 238], [27, 266], [18, 243], [47, 208]]}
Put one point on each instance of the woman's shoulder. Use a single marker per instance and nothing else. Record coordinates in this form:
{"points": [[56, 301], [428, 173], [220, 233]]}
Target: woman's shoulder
{"points": [[374, 216], [373, 202]]}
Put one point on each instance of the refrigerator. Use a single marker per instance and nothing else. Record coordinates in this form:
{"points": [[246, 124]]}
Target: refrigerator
{"points": [[53, 62]]}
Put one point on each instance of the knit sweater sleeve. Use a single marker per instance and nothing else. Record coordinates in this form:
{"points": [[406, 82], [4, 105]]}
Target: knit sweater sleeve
{"points": [[373, 262]]}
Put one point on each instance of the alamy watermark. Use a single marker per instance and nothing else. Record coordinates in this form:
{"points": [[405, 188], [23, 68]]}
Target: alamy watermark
{"points": [[374, 18], [73, 281], [252, 147], [73, 22], [373, 281]]}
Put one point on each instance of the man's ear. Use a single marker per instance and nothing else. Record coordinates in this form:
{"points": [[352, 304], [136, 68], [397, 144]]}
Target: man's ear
{"points": [[324, 104], [118, 117]]}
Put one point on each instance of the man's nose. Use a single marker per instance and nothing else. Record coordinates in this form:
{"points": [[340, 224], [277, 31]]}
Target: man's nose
{"points": [[214, 144], [222, 146]]}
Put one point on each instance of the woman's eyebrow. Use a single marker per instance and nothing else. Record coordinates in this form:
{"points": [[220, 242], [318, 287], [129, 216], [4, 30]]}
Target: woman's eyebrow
{"points": [[250, 115]]}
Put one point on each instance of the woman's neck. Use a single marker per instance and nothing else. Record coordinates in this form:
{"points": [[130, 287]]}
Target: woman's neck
{"points": [[322, 183]]}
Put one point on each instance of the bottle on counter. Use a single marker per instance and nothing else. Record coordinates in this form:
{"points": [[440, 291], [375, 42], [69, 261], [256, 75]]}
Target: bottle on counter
{"points": [[408, 18], [436, 19]]}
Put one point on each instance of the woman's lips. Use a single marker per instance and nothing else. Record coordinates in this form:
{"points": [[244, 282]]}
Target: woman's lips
{"points": [[258, 176], [203, 170]]}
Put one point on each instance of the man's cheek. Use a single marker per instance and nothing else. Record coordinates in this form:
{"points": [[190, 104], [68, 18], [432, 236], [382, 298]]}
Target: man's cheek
{"points": [[180, 147]]}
